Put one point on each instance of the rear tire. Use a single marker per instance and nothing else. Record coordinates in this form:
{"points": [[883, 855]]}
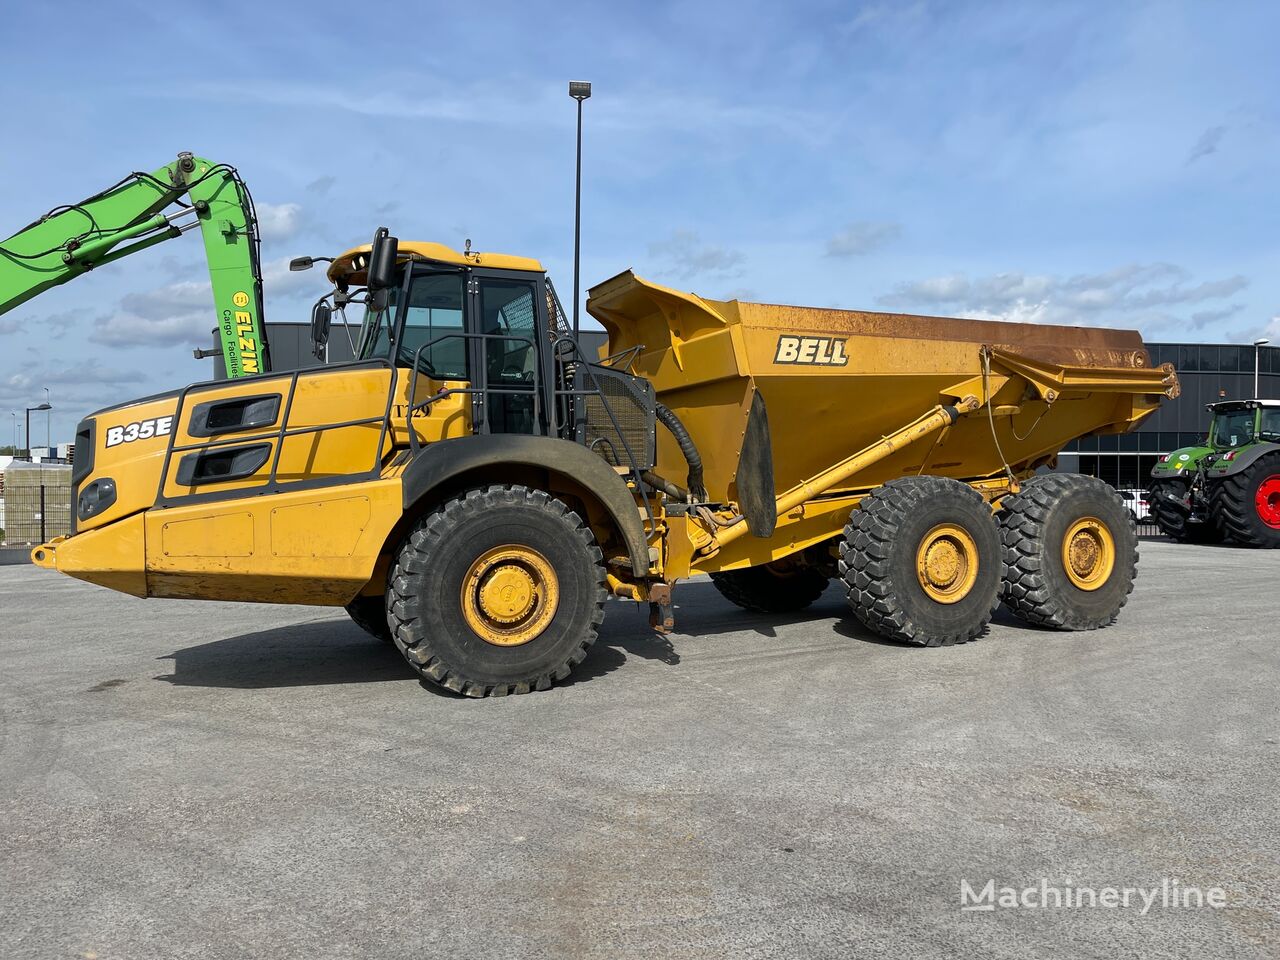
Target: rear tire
{"points": [[1070, 552], [1247, 506], [498, 591], [920, 561], [1172, 518], [370, 615], [782, 586]]}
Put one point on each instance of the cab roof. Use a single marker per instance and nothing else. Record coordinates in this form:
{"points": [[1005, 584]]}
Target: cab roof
{"points": [[350, 266], [1226, 406]]}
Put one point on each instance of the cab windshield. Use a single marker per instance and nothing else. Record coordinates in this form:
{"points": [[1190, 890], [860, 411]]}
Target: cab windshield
{"points": [[375, 331], [1234, 429]]}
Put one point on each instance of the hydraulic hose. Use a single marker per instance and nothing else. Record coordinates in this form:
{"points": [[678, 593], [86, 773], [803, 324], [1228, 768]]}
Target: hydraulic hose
{"points": [[687, 447], [663, 485]]}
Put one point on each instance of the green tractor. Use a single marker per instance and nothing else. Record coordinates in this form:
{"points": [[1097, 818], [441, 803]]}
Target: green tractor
{"points": [[1228, 489]]}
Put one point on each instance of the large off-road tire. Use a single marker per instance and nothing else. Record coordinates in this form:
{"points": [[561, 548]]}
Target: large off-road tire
{"points": [[1247, 506], [370, 615], [1070, 552], [920, 561], [1172, 518], [498, 591], [782, 586]]}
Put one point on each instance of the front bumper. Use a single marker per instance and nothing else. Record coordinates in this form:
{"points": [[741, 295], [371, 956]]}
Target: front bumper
{"points": [[113, 556]]}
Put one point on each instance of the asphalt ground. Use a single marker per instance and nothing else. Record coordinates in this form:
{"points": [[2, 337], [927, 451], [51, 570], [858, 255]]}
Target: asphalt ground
{"points": [[220, 780]]}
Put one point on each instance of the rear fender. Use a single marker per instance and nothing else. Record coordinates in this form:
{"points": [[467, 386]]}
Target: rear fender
{"points": [[1241, 462]]}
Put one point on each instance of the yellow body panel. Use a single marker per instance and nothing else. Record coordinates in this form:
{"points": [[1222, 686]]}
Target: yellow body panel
{"points": [[114, 556], [235, 540], [309, 546]]}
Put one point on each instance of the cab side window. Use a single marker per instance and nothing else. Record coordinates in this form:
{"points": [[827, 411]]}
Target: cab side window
{"points": [[435, 310], [1271, 424]]}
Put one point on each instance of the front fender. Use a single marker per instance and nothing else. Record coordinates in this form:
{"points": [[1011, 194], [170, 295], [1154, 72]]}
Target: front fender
{"points": [[1181, 463], [439, 463]]}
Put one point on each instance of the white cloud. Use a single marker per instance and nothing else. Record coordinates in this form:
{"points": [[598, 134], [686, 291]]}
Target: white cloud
{"points": [[1133, 293], [684, 255], [183, 312], [862, 237], [278, 221], [177, 313]]}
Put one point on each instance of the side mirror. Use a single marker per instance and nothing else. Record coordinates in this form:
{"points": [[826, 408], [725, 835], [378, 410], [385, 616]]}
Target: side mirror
{"points": [[300, 263], [382, 261], [321, 315]]}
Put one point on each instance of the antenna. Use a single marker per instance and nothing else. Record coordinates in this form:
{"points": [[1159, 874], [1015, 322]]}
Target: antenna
{"points": [[580, 90]]}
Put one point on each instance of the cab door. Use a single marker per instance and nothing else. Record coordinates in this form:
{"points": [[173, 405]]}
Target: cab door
{"points": [[508, 310]]}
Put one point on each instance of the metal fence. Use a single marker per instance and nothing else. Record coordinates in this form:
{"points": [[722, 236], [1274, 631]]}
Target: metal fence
{"points": [[37, 513]]}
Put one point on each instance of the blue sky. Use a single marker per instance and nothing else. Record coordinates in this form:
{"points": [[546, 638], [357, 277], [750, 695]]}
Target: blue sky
{"points": [[1092, 163]]}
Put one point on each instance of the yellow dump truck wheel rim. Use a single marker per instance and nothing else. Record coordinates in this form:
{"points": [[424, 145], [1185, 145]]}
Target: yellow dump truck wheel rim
{"points": [[510, 595], [947, 563], [1088, 553]]}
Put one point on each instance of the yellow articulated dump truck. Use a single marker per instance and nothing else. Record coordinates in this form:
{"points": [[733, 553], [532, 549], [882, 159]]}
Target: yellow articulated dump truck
{"points": [[472, 487]]}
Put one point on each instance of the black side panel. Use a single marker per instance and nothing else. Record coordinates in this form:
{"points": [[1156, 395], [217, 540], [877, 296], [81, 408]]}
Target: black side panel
{"points": [[86, 437], [82, 464], [755, 472], [440, 462], [222, 463]]}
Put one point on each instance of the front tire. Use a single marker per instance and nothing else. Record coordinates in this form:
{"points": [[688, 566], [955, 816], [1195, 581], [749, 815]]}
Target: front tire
{"points": [[498, 591], [1165, 499], [1247, 505], [920, 561], [1070, 552]]}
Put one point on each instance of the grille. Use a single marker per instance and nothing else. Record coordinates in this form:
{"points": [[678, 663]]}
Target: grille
{"points": [[630, 400]]}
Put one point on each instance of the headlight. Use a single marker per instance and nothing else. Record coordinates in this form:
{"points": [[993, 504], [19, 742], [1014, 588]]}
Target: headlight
{"points": [[96, 497]]}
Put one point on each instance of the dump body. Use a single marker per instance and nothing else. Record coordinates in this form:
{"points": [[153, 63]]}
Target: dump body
{"points": [[836, 381]]}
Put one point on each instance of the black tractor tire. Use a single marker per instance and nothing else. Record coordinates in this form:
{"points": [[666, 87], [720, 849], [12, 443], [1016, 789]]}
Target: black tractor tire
{"points": [[1034, 525], [426, 591], [1243, 504], [783, 586], [1172, 520], [370, 615], [881, 551]]}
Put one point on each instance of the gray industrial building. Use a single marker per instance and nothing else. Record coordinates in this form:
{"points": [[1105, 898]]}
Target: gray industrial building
{"points": [[1207, 371]]}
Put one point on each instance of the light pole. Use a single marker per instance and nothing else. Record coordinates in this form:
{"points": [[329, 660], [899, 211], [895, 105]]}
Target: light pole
{"points": [[1257, 348], [580, 90], [43, 406], [14, 414], [47, 415]]}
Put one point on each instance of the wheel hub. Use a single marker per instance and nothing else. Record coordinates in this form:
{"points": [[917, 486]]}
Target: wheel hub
{"points": [[947, 563], [510, 595], [1088, 553], [507, 593], [1268, 501]]}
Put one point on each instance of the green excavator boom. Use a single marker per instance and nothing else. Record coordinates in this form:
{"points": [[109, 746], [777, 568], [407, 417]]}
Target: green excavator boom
{"points": [[134, 214]]}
